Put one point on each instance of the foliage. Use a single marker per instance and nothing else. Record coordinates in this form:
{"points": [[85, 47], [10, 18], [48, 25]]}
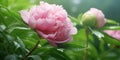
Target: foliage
{"points": [[16, 38]]}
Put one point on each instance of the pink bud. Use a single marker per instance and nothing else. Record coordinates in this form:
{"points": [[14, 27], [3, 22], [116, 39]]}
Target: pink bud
{"points": [[94, 18]]}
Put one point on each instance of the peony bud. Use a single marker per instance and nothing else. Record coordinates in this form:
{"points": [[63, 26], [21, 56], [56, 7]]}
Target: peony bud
{"points": [[93, 18], [50, 21], [88, 19]]}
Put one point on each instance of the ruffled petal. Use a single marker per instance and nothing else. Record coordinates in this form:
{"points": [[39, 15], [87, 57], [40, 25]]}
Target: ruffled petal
{"points": [[32, 22], [25, 15]]}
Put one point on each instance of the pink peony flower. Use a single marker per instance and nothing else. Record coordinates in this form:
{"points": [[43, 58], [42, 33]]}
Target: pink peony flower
{"points": [[94, 17], [113, 33], [50, 21]]}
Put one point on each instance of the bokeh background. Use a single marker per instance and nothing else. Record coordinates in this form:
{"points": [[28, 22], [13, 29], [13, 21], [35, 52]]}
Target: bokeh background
{"points": [[110, 8]]}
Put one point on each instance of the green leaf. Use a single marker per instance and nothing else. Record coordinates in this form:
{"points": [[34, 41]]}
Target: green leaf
{"points": [[92, 49], [70, 46], [73, 19], [34, 57], [59, 55], [97, 33], [29, 44], [4, 3], [9, 17], [17, 28], [79, 38], [21, 43], [80, 16], [111, 28], [109, 21], [106, 37], [11, 57]]}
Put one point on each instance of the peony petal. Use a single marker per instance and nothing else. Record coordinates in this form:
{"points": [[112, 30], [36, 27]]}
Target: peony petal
{"points": [[62, 35], [113, 33], [109, 32], [52, 43], [25, 15], [99, 16], [73, 31], [63, 41], [32, 22], [41, 24], [46, 35]]}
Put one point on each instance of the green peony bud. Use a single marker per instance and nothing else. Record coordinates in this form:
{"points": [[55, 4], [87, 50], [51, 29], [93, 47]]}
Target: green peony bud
{"points": [[89, 19], [93, 18]]}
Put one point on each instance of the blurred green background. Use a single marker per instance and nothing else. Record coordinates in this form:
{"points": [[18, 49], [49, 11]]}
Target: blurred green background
{"points": [[110, 8]]}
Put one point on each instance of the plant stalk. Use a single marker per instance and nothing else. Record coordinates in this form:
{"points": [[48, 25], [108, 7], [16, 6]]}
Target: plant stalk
{"points": [[86, 47], [31, 51]]}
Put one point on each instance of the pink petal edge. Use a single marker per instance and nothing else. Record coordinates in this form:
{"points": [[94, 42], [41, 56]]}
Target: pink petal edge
{"points": [[25, 15]]}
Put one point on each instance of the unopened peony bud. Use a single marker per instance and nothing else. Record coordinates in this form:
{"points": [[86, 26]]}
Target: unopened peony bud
{"points": [[93, 18], [88, 19]]}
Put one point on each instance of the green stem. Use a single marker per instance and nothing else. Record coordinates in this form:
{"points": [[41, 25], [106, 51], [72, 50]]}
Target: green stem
{"points": [[86, 48], [33, 49], [101, 45], [101, 48]]}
